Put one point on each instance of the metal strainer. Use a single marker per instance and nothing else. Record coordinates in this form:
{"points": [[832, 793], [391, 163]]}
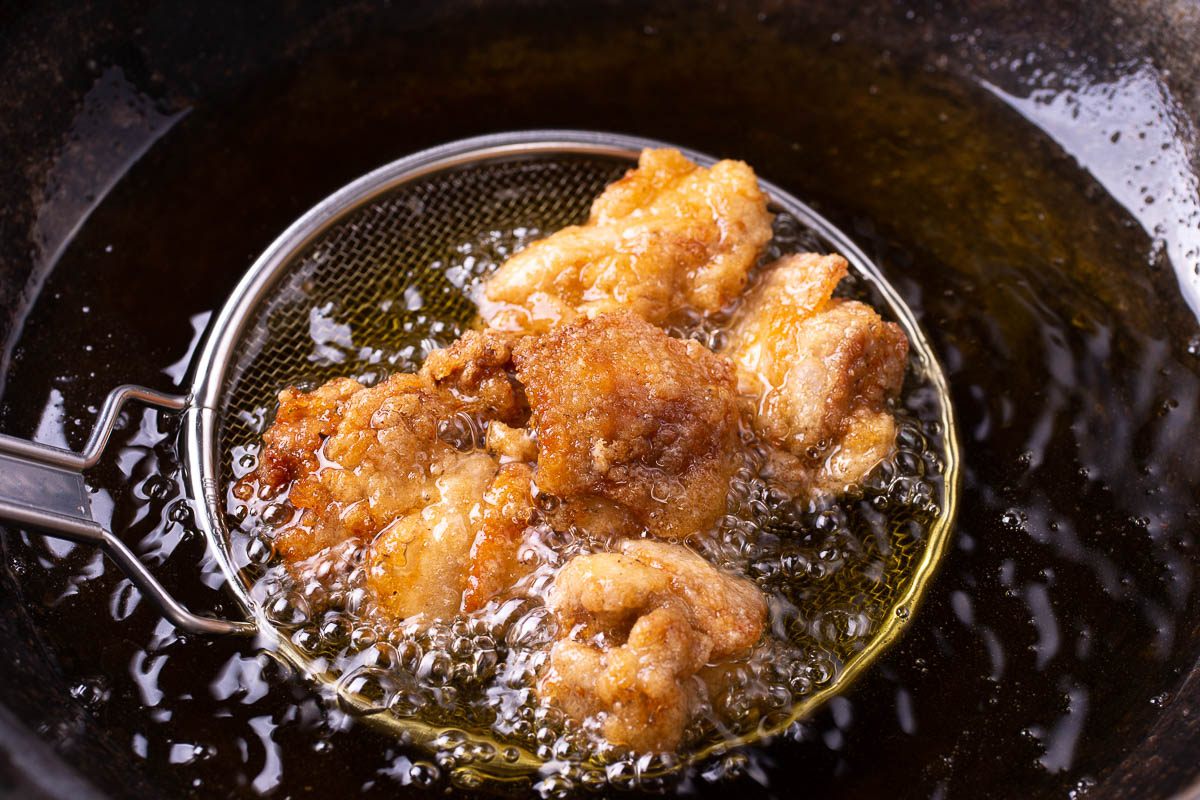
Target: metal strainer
{"points": [[334, 294]]}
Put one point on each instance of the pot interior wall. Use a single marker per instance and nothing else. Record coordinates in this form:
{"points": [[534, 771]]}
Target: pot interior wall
{"points": [[151, 154]]}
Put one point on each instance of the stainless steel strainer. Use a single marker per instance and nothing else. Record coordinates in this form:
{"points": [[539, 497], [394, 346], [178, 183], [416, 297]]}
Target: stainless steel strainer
{"points": [[334, 295]]}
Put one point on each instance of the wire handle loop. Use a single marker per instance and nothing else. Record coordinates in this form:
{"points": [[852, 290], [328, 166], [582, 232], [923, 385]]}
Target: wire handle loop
{"points": [[42, 487]]}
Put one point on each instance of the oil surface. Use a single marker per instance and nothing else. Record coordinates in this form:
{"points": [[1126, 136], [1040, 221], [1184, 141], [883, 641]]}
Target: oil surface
{"points": [[1074, 365]]}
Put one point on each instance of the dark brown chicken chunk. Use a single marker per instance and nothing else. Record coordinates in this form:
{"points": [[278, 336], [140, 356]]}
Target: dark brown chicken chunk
{"points": [[632, 422]]}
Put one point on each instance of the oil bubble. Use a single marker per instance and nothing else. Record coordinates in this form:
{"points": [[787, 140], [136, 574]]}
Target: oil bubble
{"points": [[424, 774], [287, 611]]}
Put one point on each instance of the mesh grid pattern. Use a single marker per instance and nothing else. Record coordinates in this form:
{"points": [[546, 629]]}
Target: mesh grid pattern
{"points": [[389, 281]]}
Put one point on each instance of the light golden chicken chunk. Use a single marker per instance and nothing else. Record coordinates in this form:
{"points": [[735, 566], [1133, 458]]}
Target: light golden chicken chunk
{"points": [[420, 562], [506, 513], [821, 370], [667, 238], [635, 628], [389, 467], [635, 429]]}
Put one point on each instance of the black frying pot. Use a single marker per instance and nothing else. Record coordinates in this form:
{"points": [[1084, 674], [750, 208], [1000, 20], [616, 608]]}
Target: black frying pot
{"points": [[986, 157]]}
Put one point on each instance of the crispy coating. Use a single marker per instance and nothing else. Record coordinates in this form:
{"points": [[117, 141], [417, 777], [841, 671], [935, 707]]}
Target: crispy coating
{"points": [[419, 563], [728, 610], [868, 437], [369, 457], [635, 628], [377, 465], [631, 420], [507, 512], [475, 370], [301, 425], [510, 444], [668, 237], [822, 371]]}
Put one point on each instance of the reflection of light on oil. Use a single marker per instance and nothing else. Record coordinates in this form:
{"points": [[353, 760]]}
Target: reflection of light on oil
{"points": [[1037, 596], [1060, 741], [1129, 134], [272, 770], [145, 669], [178, 370], [332, 339], [51, 428]]}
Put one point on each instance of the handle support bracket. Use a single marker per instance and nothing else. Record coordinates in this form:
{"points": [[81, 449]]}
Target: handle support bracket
{"points": [[41, 487]]}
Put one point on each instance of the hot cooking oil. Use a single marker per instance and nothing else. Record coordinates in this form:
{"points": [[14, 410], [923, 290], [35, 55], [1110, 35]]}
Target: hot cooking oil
{"points": [[1059, 622]]}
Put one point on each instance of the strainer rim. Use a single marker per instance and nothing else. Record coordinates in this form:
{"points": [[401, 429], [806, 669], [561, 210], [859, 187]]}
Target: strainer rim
{"points": [[200, 438]]}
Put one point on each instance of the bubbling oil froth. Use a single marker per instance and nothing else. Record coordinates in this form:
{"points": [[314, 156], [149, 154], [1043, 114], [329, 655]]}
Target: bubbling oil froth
{"points": [[832, 571]]}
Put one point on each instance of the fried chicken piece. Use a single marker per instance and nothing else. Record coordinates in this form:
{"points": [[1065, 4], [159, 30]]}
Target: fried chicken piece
{"points": [[459, 552], [728, 610], [822, 370], [355, 459], [635, 628], [475, 369], [302, 423], [506, 514], [385, 466], [633, 426], [419, 563], [668, 237]]}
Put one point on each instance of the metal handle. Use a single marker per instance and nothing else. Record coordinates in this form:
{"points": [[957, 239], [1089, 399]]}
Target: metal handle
{"points": [[42, 487]]}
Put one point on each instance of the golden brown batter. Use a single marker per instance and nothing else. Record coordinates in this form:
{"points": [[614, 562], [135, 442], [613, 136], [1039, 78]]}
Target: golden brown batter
{"points": [[635, 627], [631, 421], [372, 464]]}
